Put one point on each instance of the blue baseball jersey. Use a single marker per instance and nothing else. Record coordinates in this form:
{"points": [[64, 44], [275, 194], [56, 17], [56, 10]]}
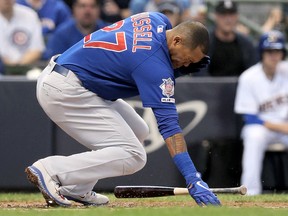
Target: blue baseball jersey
{"points": [[126, 59]]}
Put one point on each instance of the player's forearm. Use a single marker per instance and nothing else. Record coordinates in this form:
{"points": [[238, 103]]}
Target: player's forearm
{"points": [[176, 144], [278, 127], [30, 57], [178, 150]]}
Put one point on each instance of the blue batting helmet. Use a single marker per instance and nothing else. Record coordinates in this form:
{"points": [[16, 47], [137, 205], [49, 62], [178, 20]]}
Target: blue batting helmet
{"points": [[272, 40]]}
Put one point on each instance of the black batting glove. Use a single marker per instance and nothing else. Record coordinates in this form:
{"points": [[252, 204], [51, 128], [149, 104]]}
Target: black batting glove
{"points": [[195, 67]]}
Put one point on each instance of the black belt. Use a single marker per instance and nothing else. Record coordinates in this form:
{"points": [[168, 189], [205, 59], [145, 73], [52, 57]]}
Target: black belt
{"points": [[64, 71], [61, 70]]}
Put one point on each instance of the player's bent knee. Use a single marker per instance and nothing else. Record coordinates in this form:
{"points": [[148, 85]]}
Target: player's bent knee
{"points": [[135, 163], [144, 133], [141, 162]]}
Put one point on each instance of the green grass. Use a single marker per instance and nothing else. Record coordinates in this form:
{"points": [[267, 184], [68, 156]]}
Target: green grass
{"points": [[33, 204]]}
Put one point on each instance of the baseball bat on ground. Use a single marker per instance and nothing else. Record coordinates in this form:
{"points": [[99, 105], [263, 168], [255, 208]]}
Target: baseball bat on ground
{"points": [[158, 191]]}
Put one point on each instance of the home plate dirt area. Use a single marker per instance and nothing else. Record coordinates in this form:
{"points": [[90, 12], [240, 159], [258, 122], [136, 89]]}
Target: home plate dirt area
{"points": [[146, 203]]}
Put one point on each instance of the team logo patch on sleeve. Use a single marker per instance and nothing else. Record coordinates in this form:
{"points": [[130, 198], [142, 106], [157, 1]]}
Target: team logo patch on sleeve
{"points": [[160, 28], [167, 90]]}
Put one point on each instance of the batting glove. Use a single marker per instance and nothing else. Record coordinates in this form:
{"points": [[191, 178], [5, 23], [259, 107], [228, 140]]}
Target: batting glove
{"points": [[198, 189], [202, 195], [203, 63], [194, 67]]}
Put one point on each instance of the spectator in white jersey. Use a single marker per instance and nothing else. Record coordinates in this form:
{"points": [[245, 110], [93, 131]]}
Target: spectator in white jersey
{"points": [[52, 13], [21, 40], [262, 100]]}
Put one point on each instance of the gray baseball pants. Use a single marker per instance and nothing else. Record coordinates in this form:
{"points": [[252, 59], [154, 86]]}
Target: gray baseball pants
{"points": [[111, 129]]}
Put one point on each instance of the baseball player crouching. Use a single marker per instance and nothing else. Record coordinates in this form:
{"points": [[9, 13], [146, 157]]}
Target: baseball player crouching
{"points": [[81, 92], [262, 99]]}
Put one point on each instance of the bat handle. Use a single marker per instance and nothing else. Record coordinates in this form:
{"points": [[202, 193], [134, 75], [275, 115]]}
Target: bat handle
{"points": [[236, 190]]}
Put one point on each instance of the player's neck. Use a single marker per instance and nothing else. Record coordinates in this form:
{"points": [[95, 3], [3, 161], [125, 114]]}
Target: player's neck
{"points": [[269, 72], [85, 30], [36, 4], [8, 14], [225, 36], [168, 36]]}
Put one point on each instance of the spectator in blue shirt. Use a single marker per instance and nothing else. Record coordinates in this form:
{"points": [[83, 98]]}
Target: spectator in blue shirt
{"points": [[52, 13], [86, 20]]}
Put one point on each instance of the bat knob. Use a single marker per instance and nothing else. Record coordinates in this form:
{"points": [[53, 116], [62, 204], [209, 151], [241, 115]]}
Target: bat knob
{"points": [[243, 189]]}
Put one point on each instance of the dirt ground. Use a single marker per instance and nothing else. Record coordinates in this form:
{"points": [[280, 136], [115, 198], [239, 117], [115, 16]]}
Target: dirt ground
{"points": [[148, 203]]}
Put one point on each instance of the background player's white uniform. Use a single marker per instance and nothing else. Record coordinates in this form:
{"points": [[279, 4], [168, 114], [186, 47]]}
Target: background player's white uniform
{"points": [[268, 99]]}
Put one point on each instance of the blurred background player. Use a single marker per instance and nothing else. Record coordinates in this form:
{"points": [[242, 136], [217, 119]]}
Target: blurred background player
{"points": [[262, 99], [21, 40], [52, 13], [172, 10], [230, 51], [85, 20]]}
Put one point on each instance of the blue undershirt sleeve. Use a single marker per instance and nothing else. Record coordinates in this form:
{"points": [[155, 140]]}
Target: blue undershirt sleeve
{"points": [[252, 119], [167, 120]]}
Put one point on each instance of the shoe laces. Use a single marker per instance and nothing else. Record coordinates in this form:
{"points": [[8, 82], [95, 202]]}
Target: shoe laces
{"points": [[57, 188], [89, 195]]}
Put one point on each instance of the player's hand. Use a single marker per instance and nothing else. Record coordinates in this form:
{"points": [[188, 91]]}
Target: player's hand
{"points": [[202, 195], [195, 67], [203, 63]]}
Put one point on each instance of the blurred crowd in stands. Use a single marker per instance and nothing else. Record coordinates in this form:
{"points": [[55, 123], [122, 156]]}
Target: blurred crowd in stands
{"points": [[35, 30]]}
